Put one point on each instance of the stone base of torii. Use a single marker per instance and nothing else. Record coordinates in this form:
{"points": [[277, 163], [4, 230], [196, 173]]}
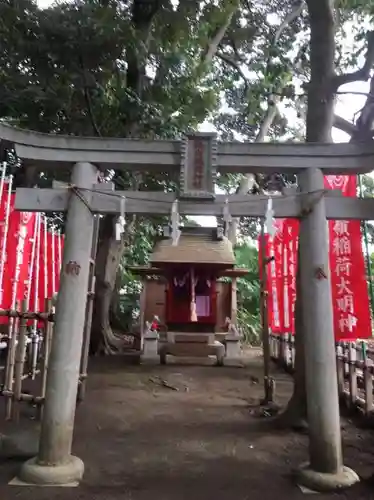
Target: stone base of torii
{"points": [[54, 464]]}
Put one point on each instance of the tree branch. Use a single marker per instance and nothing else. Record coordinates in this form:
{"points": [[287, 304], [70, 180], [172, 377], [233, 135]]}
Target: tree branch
{"points": [[86, 90], [364, 124], [212, 48], [248, 181], [87, 98], [231, 62], [297, 9], [362, 74], [142, 16], [344, 125]]}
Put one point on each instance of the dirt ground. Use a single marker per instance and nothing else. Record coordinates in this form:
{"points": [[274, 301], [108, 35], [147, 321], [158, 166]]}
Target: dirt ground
{"points": [[141, 440]]}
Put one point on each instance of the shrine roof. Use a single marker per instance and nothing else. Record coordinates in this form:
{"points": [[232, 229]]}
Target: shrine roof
{"points": [[194, 249]]}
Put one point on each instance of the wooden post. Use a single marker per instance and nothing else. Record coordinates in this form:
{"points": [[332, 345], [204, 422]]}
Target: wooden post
{"points": [[368, 383], [352, 358], [325, 470], [282, 350], [268, 383], [89, 310], [340, 369], [234, 301], [47, 342], [9, 374], [20, 360]]}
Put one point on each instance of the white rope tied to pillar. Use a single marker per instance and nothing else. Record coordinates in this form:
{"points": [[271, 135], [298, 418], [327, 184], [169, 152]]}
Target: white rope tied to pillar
{"points": [[269, 218], [175, 231], [121, 222]]}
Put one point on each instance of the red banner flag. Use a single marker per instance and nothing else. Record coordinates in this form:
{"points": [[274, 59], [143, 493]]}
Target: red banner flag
{"points": [[6, 208], [348, 275], [51, 271], [44, 274], [17, 234], [58, 261], [273, 248], [34, 289], [30, 257], [25, 233], [352, 319], [289, 259]]}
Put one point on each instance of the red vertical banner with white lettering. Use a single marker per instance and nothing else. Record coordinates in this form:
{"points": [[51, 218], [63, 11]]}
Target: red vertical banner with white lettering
{"points": [[289, 259], [348, 274], [273, 251], [8, 248], [34, 289], [6, 208], [26, 226], [31, 269], [18, 251], [275, 297], [51, 271], [43, 265], [58, 259]]}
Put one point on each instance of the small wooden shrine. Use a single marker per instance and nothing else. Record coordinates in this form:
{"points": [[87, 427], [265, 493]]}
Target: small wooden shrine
{"points": [[190, 286]]}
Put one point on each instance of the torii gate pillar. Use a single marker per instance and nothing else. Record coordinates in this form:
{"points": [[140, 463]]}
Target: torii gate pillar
{"points": [[325, 471], [54, 464]]}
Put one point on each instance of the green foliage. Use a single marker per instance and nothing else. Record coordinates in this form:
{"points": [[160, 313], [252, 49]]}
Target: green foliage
{"points": [[67, 69], [248, 293]]}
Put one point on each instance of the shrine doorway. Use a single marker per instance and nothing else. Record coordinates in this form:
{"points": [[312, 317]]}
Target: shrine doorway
{"points": [[191, 298]]}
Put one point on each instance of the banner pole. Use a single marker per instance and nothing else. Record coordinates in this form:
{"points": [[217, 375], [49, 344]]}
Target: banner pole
{"points": [[268, 383]]}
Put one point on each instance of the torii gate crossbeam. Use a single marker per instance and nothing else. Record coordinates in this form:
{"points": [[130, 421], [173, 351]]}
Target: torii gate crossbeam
{"points": [[46, 151]]}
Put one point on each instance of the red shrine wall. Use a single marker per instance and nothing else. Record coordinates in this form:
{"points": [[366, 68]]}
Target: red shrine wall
{"points": [[155, 303]]}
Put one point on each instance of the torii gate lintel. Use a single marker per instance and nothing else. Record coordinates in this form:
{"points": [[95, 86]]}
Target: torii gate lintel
{"points": [[104, 200], [50, 151]]}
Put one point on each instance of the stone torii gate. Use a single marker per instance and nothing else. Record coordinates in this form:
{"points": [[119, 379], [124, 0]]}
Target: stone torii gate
{"points": [[198, 157]]}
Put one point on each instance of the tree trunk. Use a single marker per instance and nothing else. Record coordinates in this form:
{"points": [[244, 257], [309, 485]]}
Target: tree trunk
{"points": [[114, 304], [110, 251], [319, 123], [321, 91], [295, 414], [108, 258]]}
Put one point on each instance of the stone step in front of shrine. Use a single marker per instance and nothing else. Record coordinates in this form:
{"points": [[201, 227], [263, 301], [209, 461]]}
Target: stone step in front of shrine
{"points": [[158, 347], [186, 337], [199, 349]]}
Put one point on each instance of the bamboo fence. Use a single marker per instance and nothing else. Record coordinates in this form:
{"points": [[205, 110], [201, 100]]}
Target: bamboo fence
{"points": [[25, 348], [355, 370]]}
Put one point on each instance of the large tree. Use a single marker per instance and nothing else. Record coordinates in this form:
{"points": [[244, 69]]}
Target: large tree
{"points": [[135, 68], [109, 68], [326, 79], [152, 68]]}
